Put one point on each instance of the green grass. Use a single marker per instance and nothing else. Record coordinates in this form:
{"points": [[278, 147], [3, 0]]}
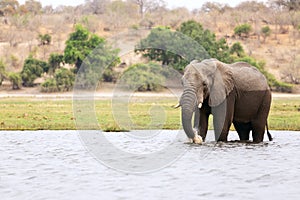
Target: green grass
{"points": [[151, 113]]}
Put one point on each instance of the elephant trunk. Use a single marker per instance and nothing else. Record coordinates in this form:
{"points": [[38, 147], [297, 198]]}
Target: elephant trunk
{"points": [[188, 103]]}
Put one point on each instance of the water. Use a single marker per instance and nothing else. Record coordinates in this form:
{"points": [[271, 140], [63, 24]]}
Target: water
{"points": [[55, 165]]}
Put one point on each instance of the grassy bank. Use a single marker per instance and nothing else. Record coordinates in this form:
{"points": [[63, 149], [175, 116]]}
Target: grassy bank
{"points": [[42, 114]]}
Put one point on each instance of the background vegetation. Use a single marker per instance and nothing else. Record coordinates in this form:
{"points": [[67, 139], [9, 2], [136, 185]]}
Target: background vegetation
{"points": [[37, 41]]}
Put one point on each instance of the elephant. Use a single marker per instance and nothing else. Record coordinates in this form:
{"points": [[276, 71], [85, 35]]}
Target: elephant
{"points": [[235, 93]]}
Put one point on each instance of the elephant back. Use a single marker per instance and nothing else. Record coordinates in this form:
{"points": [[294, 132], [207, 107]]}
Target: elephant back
{"points": [[248, 78]]}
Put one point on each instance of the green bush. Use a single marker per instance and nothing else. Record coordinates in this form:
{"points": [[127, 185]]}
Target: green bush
{"points": [[144, 77], [49, 86], [243, 30], [32, 69], [237, 49], [16, 80], [63, 81]]}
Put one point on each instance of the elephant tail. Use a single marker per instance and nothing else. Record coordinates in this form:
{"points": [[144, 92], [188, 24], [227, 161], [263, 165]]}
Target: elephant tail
{"points": [[269, 134]]}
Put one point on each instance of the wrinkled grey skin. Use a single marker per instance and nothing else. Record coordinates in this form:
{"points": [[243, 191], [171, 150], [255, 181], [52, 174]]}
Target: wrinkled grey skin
{"points": [[233, 93]]}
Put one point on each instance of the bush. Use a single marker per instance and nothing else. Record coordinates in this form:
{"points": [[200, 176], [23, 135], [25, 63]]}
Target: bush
{"points": [[49, 86], [32, 69], [144, 77], [243, 30], [237, 49], [16, 80], [63, 81]]}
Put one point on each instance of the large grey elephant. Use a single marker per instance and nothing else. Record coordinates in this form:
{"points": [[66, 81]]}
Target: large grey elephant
{"points": [[233, 93]]}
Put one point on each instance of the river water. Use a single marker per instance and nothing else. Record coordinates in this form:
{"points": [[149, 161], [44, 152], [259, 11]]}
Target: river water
{"points": [[55, 165]]}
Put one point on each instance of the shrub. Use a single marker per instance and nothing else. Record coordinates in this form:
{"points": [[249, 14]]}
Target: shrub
{"points": [[63, 81], [237, 49], [49, 86], [32, 69], [16, 80], [144, 77]]}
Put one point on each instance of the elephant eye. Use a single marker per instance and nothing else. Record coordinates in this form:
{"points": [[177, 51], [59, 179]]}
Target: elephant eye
{"points": [[204, 83]]}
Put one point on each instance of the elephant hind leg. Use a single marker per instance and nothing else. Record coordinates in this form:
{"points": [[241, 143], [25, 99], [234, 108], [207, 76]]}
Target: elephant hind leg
{"points": [[258, 131], [243, 129]]}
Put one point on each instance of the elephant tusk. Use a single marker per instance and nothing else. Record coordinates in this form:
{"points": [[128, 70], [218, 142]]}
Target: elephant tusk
{"points": [[200, 105], [177, 106]]}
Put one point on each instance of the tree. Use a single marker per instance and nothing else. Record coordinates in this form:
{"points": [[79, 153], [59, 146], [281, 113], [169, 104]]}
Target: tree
{"points": [[243, 30], [32, 6], [80, 44], [32, 69], [287, 4], [204, 37], [266, 32], [148, 5], [170, 48], [54, 62], [9, 7], [96, 7]]}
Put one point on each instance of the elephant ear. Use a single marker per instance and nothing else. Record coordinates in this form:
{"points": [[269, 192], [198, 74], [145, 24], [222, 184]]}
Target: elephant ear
{"points": [[222, 85]]}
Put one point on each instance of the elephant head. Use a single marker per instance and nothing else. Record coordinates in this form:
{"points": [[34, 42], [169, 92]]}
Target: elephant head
{"points": [[209, 80]]}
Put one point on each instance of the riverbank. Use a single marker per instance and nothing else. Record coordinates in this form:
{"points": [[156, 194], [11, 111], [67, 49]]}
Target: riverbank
{"points": [[50, 112]]}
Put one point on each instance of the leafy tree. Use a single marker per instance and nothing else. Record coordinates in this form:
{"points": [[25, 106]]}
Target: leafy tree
{"points": [[81, 43], [243, 30], [32, 69], [190, 42], [215, 48], [16, 80], [266, 32], [166, 46]]}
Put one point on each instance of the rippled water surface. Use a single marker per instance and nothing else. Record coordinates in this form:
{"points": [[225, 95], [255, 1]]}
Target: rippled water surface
{"points": [[55, 165]]}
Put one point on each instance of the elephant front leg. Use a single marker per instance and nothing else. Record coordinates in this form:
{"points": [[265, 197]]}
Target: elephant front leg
{"points": [[203, 124], [222, 119]]}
